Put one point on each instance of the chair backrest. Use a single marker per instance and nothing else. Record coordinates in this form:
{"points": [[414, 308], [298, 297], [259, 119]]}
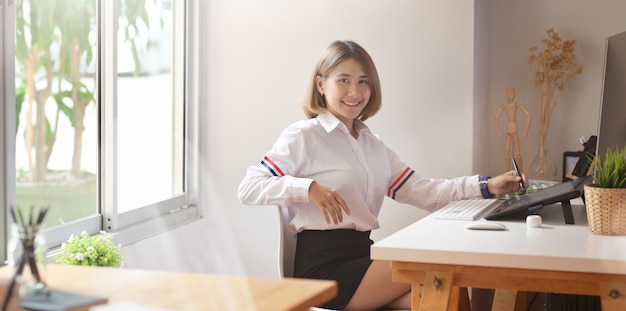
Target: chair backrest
{"points": [[287, 245]]}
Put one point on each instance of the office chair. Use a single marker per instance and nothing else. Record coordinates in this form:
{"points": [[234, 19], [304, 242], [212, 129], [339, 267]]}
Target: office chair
{"points": [[287, 245], [287, 249]]}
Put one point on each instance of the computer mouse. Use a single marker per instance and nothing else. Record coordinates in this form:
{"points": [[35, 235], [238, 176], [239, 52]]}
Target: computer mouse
{"points": [[485, 225]]}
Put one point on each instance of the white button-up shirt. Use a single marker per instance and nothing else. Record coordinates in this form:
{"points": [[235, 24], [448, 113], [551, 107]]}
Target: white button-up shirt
{"points": [[361, 170]]}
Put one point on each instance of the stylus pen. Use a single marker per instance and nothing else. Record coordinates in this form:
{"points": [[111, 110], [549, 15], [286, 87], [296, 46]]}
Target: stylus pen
{"points": [[517, 172]]}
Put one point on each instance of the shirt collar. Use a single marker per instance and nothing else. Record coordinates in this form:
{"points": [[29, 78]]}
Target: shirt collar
{"points": [[330, 122]]}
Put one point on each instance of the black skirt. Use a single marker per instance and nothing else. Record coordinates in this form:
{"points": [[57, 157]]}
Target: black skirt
{"points": [[341, 255]]}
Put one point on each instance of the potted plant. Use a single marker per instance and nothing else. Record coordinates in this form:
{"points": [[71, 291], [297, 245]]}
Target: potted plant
{"points": [[605, 198], [91, 250]]}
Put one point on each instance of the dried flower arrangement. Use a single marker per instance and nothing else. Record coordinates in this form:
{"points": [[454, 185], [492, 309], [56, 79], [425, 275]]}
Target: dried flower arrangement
{"points": [[551, 68]]}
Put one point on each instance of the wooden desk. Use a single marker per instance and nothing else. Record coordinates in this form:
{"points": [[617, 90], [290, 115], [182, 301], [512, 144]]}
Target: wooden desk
{"points": [[556, 258], [188, 291]]}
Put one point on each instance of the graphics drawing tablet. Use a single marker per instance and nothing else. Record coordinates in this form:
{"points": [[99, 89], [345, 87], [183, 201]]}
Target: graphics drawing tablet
{"points": [[559, 193]]}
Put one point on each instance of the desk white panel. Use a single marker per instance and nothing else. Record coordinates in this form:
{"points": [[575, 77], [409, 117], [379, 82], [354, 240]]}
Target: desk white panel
{"points": [[554, 246]]}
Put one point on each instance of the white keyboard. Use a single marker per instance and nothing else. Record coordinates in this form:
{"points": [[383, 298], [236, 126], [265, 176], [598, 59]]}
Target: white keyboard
{"points": [[466, 209]]}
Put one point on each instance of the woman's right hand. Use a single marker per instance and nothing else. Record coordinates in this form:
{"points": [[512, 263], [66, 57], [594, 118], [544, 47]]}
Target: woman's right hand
{"points": [[328, 201]]}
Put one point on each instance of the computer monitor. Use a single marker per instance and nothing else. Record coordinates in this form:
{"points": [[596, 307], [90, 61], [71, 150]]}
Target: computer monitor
{"points": [[612, 123]]}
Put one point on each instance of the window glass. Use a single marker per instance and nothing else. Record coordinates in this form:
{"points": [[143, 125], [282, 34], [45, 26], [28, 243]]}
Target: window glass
{"points": [[56, 150], [147, 137]]}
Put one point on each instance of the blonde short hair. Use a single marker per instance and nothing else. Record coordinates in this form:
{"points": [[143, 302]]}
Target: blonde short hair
{"points": [[313, 103]]}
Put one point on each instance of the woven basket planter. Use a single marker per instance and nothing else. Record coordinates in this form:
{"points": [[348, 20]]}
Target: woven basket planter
{"points": [[606, 210]]}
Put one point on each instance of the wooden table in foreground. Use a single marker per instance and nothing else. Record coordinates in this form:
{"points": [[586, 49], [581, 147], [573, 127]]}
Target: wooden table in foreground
{"points": [[188, 291], [438, 257]]}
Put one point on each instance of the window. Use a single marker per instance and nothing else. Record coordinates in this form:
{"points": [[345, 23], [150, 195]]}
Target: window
{"points": [[103, 127]]}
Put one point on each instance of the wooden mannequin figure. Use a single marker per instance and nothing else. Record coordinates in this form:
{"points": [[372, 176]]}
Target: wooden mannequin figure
{"points": [[511, 128]]}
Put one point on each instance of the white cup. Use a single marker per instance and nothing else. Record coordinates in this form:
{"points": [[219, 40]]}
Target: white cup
{"points": [[533, 221]]}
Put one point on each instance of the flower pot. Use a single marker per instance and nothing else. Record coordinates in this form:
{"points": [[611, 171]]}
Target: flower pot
{"points": [[606, 210]]}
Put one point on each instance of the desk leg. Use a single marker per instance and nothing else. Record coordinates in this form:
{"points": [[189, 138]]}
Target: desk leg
{"points": [[459, 299], [613, 296], [506, 300], [416, 295], [437, 290]]}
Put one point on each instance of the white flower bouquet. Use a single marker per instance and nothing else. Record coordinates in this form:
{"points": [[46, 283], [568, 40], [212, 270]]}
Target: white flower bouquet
{"points": [[88, 250]]}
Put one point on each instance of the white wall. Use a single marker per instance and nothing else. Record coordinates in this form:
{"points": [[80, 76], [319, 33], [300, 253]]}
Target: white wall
{"points": [[442, 83], [260, 59], [518, 25], [259, 56]]}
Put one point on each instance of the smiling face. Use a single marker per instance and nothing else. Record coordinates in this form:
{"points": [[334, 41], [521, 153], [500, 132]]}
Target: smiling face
{"points": [[346, 90]]}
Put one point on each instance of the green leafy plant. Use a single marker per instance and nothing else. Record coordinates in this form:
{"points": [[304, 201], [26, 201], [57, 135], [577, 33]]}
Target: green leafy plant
{"points": [[610, 172], [53, 53], [90, 250]]}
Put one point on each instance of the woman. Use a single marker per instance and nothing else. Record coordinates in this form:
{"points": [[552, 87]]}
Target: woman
{"points": [[334, 173]]}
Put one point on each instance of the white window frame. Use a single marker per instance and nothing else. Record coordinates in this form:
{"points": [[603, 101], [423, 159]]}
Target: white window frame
{"points": [[7, 108], [128, 227]]}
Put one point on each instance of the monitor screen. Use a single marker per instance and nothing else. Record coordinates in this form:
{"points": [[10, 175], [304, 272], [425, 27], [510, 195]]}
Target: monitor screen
{"points": [[612, 124]]}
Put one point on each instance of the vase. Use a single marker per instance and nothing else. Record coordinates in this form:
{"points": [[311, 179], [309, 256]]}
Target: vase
{"points": [[26, 251], [542, 167]]}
